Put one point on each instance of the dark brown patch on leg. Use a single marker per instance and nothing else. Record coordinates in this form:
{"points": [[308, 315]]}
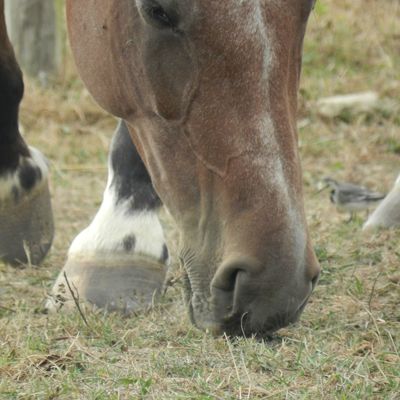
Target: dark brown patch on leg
{"points": [[129, 243], [164, 255]]}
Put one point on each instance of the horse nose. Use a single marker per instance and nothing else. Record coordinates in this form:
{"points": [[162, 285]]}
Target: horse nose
{"points": [[244, 288]]}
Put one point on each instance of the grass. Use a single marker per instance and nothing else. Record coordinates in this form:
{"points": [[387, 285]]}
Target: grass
{"points": [[347, 344]]}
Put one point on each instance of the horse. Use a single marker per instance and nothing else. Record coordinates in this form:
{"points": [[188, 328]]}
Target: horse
{"points": [[387, 214], [206, 94], [26, 218]]}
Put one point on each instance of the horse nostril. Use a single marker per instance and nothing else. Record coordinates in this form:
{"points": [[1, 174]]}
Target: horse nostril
{"points": [[228, 274], [225, 279], [231, 279], [231, 274], [223, 290]]}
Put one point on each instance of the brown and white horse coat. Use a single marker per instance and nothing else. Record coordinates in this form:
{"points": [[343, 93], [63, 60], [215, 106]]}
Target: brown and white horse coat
{"points": [[207, 96]]}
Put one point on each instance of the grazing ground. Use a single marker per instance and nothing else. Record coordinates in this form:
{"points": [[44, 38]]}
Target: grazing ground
{"points": [[347, 344]]}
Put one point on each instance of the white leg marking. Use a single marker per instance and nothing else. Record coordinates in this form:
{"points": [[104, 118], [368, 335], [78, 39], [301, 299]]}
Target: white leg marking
{"points": [[115, 223], [10, 182]]}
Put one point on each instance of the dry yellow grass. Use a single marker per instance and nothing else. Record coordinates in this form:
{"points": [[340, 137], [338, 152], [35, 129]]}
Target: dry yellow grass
{"points": [[347, 344]]}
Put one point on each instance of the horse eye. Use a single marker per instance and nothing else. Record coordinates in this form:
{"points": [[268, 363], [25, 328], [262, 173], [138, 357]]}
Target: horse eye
{"points": [[158, 14]]}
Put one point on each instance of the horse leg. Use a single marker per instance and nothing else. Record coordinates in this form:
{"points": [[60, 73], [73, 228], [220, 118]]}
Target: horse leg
{"points": [[119, 261], [26, 228], [26, 218]]}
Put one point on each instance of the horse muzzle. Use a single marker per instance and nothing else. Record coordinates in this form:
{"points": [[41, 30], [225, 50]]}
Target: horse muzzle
{"points": [[245, 300]]}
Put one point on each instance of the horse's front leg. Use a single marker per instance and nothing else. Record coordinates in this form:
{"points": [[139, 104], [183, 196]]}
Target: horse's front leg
{"points": [[26, 218], [119, 261]]}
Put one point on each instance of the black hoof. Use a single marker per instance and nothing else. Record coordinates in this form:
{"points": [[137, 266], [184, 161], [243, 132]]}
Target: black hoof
{"points": [[26, 228]]}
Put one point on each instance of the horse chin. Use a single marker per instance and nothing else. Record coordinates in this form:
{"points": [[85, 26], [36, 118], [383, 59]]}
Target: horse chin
{"points": [[244, 324], [213, 316], [238, 324]]}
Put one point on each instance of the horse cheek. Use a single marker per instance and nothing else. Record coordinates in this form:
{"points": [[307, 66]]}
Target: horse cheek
{"points": [[170, 72]]}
